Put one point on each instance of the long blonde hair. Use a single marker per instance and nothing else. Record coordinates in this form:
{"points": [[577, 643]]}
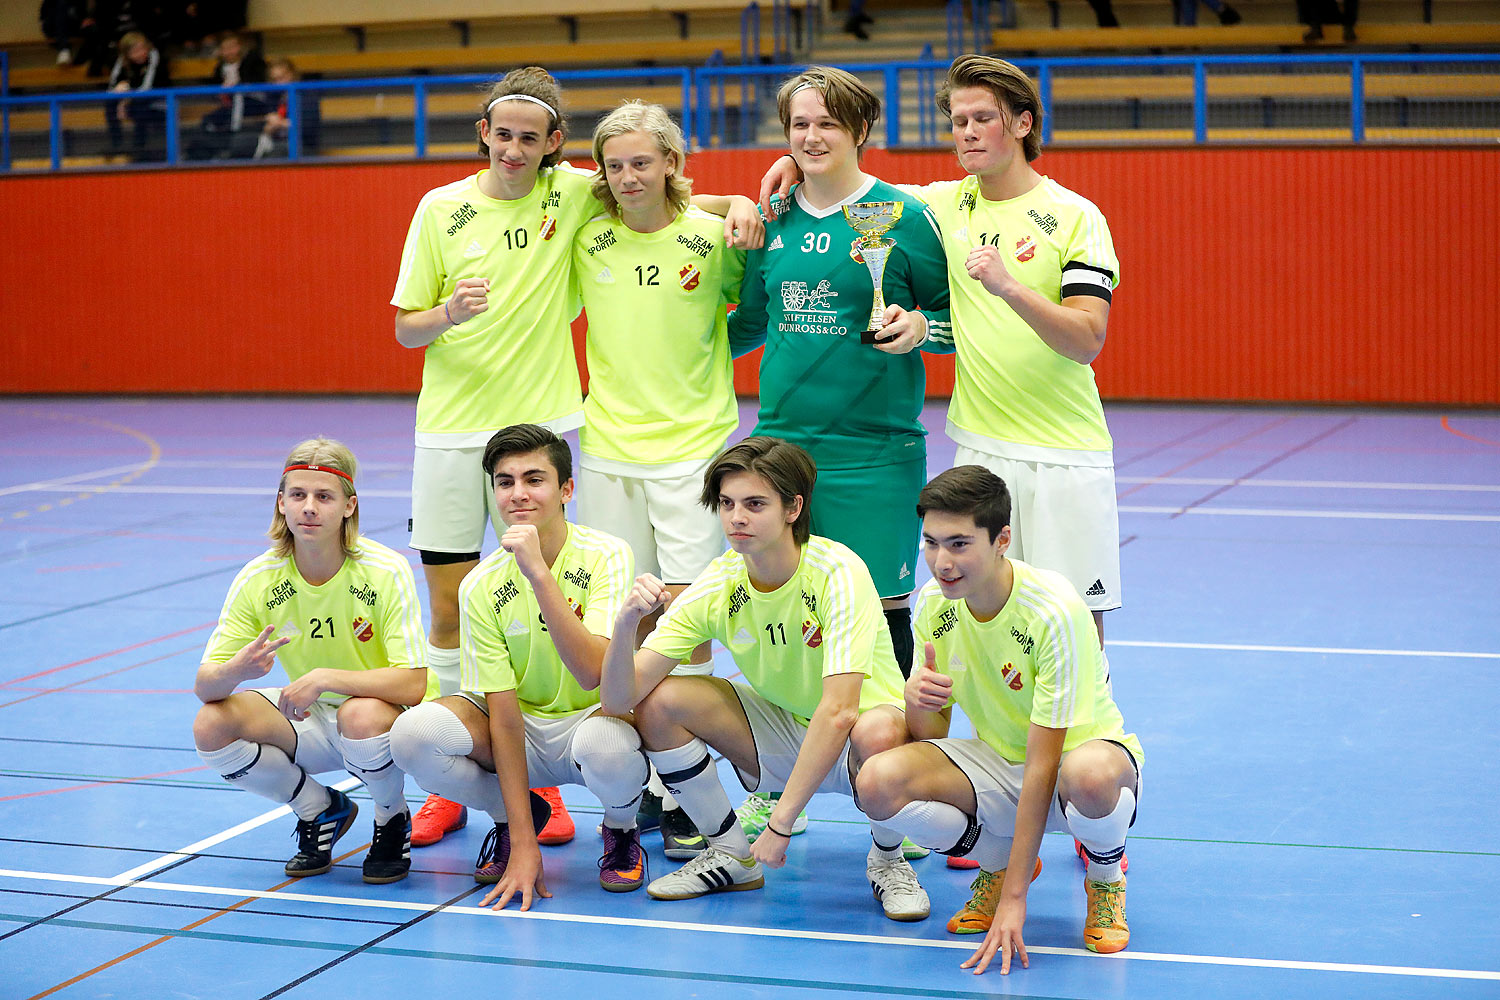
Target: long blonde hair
{"points": [[653, 120], [328, 454]]}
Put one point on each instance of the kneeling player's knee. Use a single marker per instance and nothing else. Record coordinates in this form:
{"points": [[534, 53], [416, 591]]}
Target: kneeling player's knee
{"points": [[362, 718], [426, 732], [608, 753], [660, 710], [1092, 784], [215, 726], [881, 786], [878, 731]]}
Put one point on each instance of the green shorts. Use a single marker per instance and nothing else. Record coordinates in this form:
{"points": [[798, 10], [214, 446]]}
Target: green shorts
{"points": [[874, 512]]}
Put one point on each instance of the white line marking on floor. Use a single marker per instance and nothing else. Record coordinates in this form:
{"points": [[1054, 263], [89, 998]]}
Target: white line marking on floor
{"points": [[59, 485], [202, 845], [1359, 515], [1337, 650], [769, 932]]}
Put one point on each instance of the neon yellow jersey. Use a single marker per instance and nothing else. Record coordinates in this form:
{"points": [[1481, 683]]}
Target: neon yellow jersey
{"points": [[825, 620], [503, 640], [514, 362], [365, 618], [1037, 661], [1012, 390], [661, 382]]}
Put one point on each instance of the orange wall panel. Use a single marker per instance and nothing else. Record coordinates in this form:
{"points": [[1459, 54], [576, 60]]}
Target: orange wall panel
{"points": [[1308, 275]]}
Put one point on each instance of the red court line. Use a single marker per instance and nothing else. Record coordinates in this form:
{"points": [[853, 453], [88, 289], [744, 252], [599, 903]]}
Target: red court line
{"points": [[113, 652], [96, 677], [1467, 437], [100, 784]]}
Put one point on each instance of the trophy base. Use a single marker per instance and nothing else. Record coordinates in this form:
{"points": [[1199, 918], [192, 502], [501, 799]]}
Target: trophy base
{"points": [[872, 336]]}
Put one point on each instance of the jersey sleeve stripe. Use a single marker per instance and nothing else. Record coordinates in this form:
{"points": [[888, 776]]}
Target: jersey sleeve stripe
{"points": [[1055, 623], [408, 252], [264, 563], [937, 230]]}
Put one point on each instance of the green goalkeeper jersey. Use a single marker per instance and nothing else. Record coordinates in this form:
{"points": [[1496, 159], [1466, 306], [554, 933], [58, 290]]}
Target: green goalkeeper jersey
{"points": [[807, 297]]}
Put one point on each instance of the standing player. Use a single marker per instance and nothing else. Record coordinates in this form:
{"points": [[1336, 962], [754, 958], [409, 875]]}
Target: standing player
{"points": [[485, 286], [1014, 647], [1033, 272], [855, 407], [534, 623], [340, 612], [801, 618], [656, 279]]}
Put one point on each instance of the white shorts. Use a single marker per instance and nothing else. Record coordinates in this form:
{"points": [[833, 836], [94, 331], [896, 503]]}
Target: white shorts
{"points": [[317, 749], [1063, 518], [451, 500], [997, 783], [549, 744], [673, 536], [778, 736]]}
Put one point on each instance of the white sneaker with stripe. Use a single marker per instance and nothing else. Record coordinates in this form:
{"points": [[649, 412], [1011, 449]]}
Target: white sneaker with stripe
{"points": [[712, 871]]}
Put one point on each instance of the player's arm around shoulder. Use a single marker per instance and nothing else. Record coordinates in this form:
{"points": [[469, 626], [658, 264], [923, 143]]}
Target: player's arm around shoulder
{"points": [[629, 675]]}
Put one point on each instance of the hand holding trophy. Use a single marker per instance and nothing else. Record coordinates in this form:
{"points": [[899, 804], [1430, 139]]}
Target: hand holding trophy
{"points": [[872, 220]]}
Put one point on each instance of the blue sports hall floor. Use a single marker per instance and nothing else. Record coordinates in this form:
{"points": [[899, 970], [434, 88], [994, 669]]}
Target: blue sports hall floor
{"points": [[1309, 651]]}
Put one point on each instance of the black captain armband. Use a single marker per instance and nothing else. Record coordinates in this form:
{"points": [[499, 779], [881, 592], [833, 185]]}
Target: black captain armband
{"points": [[1079, 278]]}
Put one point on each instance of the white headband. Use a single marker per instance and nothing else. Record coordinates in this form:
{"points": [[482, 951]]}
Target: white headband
{"points": [[521, 97], [805, 86]]}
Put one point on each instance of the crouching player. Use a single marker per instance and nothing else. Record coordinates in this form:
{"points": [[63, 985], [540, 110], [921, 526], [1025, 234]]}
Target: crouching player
{"points": [[801, 617], [1013, 646], [533, 624], [341, 613]]}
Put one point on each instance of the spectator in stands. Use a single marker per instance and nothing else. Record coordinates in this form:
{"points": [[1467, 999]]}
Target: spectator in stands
{"points": [[59, 22], [104, 21], [855, 23], [238, 64], [196, 23], [140, 66], [1316, 13], [1185, 12], [271, 141]]}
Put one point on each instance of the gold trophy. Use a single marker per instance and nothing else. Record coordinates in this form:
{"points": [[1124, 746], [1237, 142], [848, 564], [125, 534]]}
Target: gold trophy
{"points": [[872, 220]]}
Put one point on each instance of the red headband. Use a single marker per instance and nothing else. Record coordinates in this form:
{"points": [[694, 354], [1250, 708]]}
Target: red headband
{"points": [[320, 468]]}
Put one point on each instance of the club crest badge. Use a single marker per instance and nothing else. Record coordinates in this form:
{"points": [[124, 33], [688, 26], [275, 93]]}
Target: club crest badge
{"points": [[812, 634], [1026, 249], [363, 631], [688, 277], [549, 227]]}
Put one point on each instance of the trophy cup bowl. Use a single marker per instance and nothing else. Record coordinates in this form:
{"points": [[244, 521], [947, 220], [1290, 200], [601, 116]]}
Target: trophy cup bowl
{"points": [[872, 220]]}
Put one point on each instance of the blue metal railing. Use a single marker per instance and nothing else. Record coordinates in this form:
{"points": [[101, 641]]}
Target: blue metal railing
{"points": [[704, 114], [420, 87], [954, 17]]}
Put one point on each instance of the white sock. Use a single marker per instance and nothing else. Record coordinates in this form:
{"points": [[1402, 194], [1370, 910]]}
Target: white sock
{"points": [[369, 760], [608, 752], [429, 743], [444, 663], [1103, 839], [265, 770], [690, 773], [935, 825], [656, 788], [882, 835]]}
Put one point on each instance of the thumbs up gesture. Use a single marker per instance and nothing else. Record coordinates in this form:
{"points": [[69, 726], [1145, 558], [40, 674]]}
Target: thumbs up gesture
{"points": [[926, 689]]}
